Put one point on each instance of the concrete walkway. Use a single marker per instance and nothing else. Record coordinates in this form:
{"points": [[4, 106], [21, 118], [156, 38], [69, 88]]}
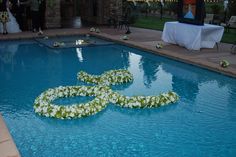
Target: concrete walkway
{"points": [[147, 39]]}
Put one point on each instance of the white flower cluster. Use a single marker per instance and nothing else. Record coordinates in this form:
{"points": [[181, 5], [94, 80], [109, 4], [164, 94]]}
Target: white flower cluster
{"points": [[159, 45], [103, 95], [58, 44], [111, 77], [143, 101], [224, 63], [97, 30], [92, 29], [43, 103], [125, 37]]}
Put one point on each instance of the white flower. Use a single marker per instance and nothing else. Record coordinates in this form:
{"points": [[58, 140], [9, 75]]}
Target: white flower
{"points": [[38, 110], [44, 109]]}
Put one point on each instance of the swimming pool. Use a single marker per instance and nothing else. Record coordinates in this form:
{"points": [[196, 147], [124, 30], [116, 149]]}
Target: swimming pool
{"points": [[201, 123]]}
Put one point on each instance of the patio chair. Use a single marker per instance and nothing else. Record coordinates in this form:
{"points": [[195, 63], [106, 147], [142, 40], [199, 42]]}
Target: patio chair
{"points": [[230, 24], [123, 22], [209, 18]]}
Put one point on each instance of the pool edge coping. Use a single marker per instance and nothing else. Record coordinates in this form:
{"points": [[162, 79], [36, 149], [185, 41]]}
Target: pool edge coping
{"points": [[7, 145]]}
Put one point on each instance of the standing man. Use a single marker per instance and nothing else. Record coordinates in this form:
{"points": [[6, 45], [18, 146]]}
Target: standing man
{"points": [[42, 8], [34, 8], [36, 15]]}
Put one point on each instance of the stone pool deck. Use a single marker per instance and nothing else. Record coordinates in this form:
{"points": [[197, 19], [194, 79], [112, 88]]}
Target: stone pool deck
{"points": [[7, 145], [140, 38]]}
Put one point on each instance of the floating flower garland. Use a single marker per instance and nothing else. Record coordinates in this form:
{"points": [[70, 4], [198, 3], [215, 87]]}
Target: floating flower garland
{"points": [[143, 101], [43, 104], [103, 95], [111, 77]]}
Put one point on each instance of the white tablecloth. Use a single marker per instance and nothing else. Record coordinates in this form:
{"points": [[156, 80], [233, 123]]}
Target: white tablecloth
{"points": [[193, 37]]}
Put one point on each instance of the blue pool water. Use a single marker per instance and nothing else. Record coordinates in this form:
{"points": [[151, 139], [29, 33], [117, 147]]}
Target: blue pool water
{"points": [[202, 123]]}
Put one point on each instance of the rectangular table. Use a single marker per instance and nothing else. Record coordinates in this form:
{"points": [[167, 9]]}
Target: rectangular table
{"points": [[193, 37]]}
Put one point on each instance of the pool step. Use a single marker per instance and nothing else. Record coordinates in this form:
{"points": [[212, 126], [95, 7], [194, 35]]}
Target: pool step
{"points": [[7, 145], [70, 42]]}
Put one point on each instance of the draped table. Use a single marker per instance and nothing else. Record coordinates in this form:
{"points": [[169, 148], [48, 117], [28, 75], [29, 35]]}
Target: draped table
{"points": [[192, 37]]}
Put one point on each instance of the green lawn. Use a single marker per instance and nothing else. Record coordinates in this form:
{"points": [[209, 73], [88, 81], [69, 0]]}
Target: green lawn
{"points": [[158, 24], [151, 22], [229, 37]]}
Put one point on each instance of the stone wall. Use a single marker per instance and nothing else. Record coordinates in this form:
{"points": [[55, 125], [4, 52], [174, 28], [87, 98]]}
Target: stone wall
{"points": [[92, 11], [53, 14], [115, 9], [99, 11]]}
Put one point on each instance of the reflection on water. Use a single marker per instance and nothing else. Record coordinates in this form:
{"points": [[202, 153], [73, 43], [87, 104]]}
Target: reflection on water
{"points": [[7, 54], [150, 69], [79, 54], [100, 60], [146, 80]]}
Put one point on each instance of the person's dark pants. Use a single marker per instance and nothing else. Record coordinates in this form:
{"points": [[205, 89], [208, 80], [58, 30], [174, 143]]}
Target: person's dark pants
{"points": [[35, 20], [41, 20], [42, 8]]}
